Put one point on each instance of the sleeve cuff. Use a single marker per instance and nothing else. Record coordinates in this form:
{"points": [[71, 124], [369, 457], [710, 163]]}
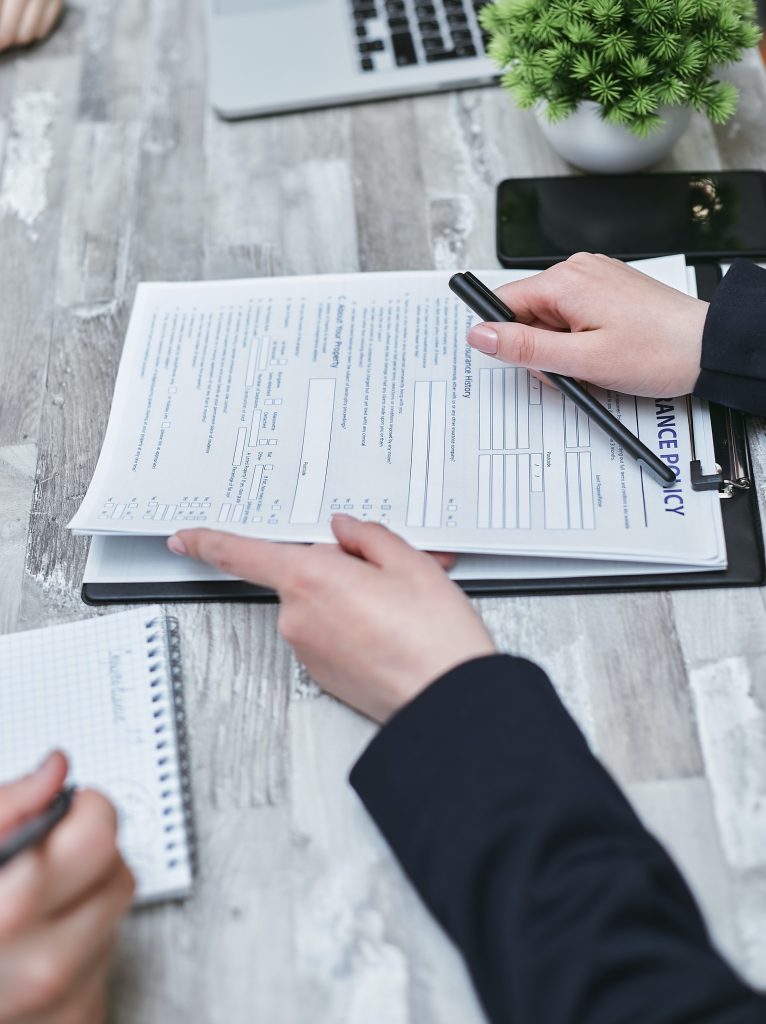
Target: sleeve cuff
{"points": [[733, 362]]}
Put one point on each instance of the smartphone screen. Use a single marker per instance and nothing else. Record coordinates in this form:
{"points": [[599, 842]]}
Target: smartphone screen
{"points": [[713, 214]]}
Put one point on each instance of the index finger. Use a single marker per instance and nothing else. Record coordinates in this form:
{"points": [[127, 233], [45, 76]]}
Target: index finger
{"points": [[258, 561]]}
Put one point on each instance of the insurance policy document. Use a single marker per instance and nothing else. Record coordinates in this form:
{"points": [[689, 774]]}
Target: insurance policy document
{"points": [[265, 406]]}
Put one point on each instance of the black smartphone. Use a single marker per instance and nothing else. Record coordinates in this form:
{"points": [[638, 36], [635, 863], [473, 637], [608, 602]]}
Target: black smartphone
{"points": [[705, 214]]}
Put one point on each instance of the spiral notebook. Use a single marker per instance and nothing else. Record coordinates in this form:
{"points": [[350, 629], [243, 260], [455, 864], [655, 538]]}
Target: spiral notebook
{"points": [[108, 692]]}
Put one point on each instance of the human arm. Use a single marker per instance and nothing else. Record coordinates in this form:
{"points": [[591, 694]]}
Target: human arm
{"points": [[733, 363], [27, 21], [60, 904], [511, 831], [596, 319]]}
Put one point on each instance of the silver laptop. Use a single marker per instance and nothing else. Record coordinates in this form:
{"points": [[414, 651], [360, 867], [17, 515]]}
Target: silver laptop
{"points": [[270, 56]]}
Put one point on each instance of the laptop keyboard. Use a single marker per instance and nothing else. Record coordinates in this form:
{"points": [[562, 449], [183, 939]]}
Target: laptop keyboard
{"points": [[402, 33]]}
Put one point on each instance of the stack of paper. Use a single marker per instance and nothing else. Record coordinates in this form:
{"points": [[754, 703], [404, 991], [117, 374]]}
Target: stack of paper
{"points": [[263, 407]]}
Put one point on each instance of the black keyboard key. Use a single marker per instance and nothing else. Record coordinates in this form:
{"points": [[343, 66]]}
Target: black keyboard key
{"points": [[433, 44], [456, 54], [461, 35], [428, 27], [361, 29], [367, 64], [399, 24], [404, 49], [371, 46]]}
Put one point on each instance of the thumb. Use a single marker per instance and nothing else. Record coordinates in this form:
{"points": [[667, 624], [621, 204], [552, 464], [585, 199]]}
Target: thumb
{"points": [[574, 354], [31, 794], [372, 542]]}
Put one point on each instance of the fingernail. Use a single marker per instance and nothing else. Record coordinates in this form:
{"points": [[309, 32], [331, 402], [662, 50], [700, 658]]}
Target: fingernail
{"points": [[484, 339], [176, 545], [45, 762]]}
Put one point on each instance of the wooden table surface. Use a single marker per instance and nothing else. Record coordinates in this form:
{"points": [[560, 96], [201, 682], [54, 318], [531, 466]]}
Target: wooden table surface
{"points": [[114, 170]]}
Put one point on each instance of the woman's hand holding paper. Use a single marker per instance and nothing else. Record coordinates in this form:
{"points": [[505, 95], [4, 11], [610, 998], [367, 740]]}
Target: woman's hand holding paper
{"points": [[598, 320], [373, 620]]}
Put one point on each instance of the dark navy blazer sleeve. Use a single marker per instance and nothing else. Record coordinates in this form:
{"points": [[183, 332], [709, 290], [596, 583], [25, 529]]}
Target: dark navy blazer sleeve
{"points": [[734, 341], [566, 910]]}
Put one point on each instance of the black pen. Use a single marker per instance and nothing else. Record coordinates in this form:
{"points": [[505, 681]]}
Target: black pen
{"points": [[36, 829], [489, 307]]}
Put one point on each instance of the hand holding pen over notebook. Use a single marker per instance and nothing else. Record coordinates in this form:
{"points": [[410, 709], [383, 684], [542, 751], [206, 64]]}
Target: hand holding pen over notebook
{"points": [[64, 888], [588, 317]]}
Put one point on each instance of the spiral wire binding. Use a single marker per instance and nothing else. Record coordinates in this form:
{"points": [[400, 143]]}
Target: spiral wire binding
{"points": [[164, 652]]}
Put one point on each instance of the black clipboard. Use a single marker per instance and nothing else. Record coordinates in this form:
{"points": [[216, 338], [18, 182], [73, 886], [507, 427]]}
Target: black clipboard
{"points": [[739, 507]]}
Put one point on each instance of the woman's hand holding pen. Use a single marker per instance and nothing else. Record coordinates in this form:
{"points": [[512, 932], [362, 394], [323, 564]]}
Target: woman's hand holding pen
{"points": [[60, 905], [373, 620], [598, 320]]}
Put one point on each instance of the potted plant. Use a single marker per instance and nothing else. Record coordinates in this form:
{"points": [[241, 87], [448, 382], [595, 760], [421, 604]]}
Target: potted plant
{"points": [[614, 82]]}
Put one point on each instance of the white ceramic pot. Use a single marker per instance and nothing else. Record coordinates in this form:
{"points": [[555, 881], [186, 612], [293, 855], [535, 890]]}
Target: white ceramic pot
{"points": [[590, 143]]}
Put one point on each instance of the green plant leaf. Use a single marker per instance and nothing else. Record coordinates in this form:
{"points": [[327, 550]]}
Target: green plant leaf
{"points": [[616, 45], [586, 64], [642, 100], [645, 125], [671, 90], [605, 88], [636, 66], [652, 14]]}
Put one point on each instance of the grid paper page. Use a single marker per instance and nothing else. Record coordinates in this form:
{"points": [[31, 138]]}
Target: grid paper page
{"points": [[101, 691]]}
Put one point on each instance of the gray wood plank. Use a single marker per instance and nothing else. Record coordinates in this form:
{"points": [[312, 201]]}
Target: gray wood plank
{"points": [[730, 706], [129, 49], [392, 223], [83, 364], [95, 233], [94, 93], [17, 475], [168, 227], [742, 141], [39, 124]]}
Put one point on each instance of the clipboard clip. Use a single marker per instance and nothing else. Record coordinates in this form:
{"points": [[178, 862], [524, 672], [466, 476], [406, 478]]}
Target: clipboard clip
{"points": [[735, 455]]}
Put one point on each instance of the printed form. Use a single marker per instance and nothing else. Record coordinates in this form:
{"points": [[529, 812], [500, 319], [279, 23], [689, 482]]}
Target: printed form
{"points": [[263, 407]]}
